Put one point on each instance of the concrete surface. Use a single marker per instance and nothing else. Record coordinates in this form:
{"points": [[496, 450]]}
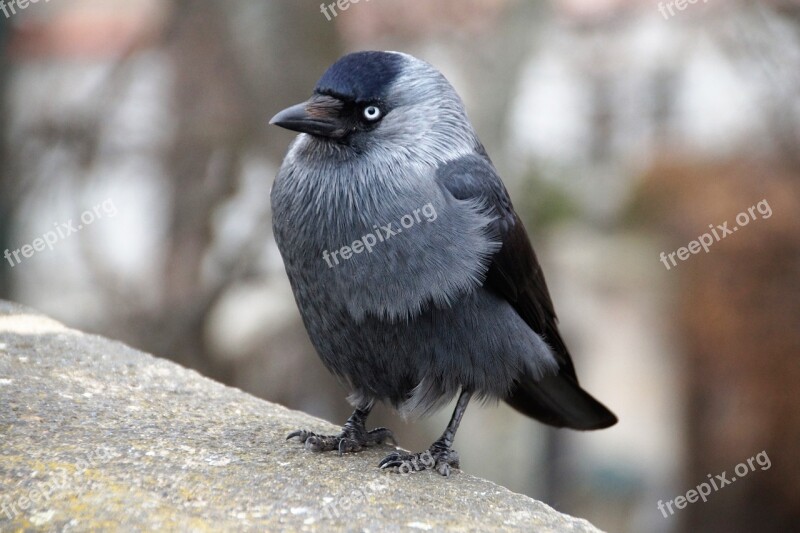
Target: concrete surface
{"points": [[97, 436]]}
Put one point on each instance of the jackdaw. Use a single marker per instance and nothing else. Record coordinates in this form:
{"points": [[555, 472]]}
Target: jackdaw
{"points": [[414, 276]]}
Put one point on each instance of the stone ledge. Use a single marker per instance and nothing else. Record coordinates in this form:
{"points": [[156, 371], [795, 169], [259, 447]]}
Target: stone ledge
{"points": [[96, 435]]}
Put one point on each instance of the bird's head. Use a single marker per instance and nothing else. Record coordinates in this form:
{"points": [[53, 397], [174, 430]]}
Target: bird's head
{"points": [[382, 99]]}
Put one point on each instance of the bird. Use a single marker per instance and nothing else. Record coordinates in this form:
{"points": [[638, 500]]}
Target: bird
{"points": [[414, 276]]}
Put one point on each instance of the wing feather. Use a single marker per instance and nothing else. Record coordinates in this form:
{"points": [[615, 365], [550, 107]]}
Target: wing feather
{"points": [[514, 271]]}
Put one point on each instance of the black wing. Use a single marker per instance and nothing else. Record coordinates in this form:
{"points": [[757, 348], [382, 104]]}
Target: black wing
{"points": [[516, 275], [514, 272]]}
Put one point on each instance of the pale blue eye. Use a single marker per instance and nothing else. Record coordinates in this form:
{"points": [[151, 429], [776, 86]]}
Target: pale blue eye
{"points": [[372, 113]]}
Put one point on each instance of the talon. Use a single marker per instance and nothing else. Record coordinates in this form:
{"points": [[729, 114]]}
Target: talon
{"points": [[390, 461], [299, 433], [352, 439], [348, 446]]}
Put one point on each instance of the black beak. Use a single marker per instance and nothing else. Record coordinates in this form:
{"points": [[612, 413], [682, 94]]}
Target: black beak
{"points": [[318, 116]]}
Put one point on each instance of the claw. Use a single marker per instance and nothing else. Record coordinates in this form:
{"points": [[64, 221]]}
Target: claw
{"points": [[386, 463], [348, 446], [302, 433], [348, 441]]}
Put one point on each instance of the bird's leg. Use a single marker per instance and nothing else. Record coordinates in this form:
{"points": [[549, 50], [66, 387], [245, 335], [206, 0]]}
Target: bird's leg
{"points": [[440, 456], [353, 438]]}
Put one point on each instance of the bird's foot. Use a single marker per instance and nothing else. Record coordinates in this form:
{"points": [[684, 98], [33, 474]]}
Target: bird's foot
{"points": [[438, 457], [350, 440]]}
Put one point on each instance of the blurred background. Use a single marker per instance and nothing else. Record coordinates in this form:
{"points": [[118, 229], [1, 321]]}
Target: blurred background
{"points": [[623, 129]]}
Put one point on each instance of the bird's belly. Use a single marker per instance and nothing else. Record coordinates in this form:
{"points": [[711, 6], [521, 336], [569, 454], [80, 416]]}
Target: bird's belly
{"points": [[478, 343]]}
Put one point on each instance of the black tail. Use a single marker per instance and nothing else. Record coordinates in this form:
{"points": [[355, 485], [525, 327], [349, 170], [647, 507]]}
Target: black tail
{"points": [[558, 400]]}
